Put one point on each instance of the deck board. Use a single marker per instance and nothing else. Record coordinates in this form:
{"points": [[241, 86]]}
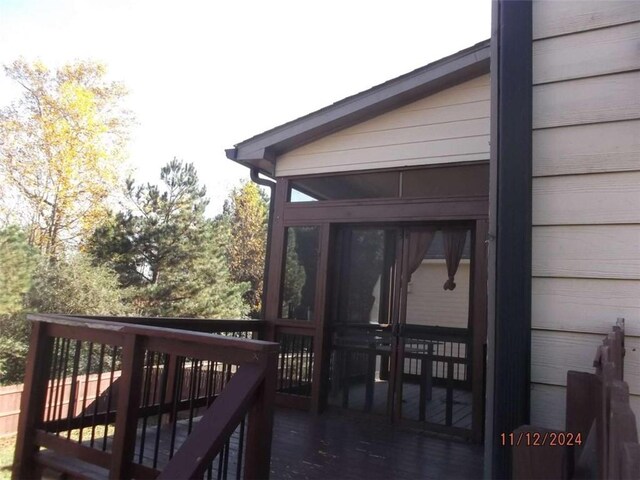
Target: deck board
{"points": [[336, 445], [435, 410]]}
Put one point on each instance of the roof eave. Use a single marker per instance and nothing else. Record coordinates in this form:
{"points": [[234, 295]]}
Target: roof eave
{"points": [[262, 150]]}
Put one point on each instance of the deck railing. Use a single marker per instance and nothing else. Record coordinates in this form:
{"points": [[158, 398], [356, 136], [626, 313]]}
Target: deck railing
{"points": [[126, 397]]}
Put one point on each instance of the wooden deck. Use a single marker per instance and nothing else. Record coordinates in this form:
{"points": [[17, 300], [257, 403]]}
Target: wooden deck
{"points": [[334, 445], [434, 408], [344, 446]]}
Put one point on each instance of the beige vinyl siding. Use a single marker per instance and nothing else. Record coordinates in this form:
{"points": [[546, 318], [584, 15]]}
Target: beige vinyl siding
{"points": [[587, 251], [583, 303], [560, 17], [446, 127], [586, 193], [587, 199], [587, 54], [608, 98], [428, 303], [553, 353], [597, 148]]}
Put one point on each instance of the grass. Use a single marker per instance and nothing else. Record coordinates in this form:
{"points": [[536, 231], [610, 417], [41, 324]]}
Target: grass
{"points": [[7, 445]]}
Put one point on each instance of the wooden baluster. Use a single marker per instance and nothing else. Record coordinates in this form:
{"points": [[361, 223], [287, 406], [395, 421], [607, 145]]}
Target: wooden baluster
{"points": [[127, 408]]}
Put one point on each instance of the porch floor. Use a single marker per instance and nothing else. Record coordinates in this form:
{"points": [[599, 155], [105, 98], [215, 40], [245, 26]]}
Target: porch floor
{"points": [[335, 445], [348, 446], [435, 407]]}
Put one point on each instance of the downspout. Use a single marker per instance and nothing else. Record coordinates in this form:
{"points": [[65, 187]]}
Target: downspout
{"points": [[255, 177]]}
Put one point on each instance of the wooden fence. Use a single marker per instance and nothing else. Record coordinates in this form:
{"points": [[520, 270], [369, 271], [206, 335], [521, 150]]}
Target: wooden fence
{"points": [[601, 437], [10, 397]]}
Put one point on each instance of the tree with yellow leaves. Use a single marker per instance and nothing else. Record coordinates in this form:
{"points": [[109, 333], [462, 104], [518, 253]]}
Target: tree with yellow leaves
{"points": [[246, 213], [61, 150]]}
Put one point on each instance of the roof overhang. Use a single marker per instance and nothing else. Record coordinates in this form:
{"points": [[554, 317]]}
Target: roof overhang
{"points": [[262, 150]]}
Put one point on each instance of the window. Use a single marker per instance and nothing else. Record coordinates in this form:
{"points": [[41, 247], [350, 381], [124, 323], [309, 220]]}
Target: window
{"points": [[300, 267]]}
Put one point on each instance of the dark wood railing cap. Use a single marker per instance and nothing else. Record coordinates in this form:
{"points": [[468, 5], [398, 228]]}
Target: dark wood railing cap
{"points": [[122, 326]]}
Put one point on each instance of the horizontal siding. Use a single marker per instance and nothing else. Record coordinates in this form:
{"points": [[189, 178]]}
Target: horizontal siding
{"points": [[561, 17], [596, 148], [587, 199], [587, 54], [587, 100], [390, 156], [555, 353], [585, 305], [548, 405], [429, 304], [602, 251], [400, 136], [585, 193], [449, 126]]}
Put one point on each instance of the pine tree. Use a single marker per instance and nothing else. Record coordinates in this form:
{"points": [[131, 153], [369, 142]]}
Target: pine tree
{"points": [[168, 256]]}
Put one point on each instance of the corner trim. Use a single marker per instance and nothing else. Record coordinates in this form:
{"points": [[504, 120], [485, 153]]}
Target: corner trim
{"points": [[509, 283]]}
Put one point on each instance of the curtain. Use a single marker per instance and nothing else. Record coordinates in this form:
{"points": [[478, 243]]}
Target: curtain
{"points": [[419, 242], [454, 240]]}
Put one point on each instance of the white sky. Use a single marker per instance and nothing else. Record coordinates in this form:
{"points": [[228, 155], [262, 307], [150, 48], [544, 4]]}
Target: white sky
{"points": [[205, 75]]}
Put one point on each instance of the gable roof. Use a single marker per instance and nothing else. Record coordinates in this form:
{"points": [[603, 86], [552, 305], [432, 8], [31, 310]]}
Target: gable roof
{"points": [[262, 150]]}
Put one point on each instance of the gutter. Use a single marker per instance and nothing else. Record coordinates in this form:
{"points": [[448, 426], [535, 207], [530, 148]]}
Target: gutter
{"points": [[255, 177]]}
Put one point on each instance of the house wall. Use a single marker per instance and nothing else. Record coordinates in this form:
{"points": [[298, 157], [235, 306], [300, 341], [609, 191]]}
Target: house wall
{"points": [[428, 303], [586, 193], [446, 127]]}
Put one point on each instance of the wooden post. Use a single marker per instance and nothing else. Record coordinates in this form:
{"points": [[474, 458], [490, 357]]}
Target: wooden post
{"points": [[622, 426], [630, 461], [260, 424], [580, 414], [539, 462], [127, 408], [33, 400]]}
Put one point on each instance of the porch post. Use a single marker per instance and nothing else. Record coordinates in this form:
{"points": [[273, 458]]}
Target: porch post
{"points": [[509, 282], [33, 400]]}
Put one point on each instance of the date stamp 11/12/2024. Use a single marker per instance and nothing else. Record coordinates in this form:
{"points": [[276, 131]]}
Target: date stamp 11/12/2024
{"points": [[537, 439]]}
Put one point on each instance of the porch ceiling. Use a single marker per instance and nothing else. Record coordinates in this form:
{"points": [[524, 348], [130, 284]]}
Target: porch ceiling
{"points": [[262, 150]]}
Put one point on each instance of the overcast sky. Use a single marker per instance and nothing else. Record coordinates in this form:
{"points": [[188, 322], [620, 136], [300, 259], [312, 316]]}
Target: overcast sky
{"points": [[205, 75]]}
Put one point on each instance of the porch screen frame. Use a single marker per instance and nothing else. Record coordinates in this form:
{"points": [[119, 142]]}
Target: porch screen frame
{"points": [[328, 213]]}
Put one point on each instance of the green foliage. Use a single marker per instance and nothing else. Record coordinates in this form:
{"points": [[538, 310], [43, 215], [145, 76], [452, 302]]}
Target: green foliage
{"points": [[168, 256], [61, 151], [76, 287], [294, 276], [13, 348], [69, 286], [246, 211], [218, 296], [17, 261]]}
